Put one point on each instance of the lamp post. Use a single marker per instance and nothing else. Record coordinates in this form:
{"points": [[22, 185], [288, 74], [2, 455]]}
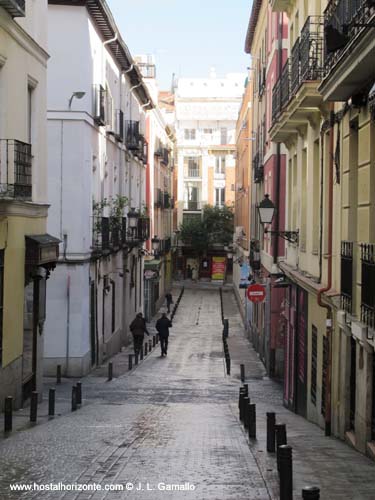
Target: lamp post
{"points": [[266, 211], [155, 242]]}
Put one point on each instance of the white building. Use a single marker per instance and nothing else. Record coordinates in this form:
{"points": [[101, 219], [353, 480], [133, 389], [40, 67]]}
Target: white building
{"points": [[206, 115], [97, 103]]}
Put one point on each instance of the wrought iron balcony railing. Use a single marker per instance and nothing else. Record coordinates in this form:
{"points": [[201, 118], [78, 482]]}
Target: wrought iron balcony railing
{"points": [[343, 20], [368, 285], [166, 200], [16, 8], [15, 169], [119, 127], [346, 275], [100, 234], [276, 100], [295, 75], [285, 85], [165, 156], [132, 135], [257, 169]]}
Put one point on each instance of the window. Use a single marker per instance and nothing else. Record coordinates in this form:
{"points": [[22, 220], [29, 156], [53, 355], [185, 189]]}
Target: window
{"points": [[207, 131], [29, 112], [1, 302], [191, 166], [219, 197], [220, 165], [224, 135], [189, 134]]}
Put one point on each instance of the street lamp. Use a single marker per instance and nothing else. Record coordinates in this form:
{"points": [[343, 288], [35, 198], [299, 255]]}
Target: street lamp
{"points": [[77, 95], [133, 218], [155, 242], [266, 210]]}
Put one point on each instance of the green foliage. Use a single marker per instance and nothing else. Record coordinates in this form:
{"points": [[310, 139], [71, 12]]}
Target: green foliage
{"points": [[215, 227]]}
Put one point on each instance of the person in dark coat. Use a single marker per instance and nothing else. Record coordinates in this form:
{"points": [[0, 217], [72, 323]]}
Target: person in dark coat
{"points": [[138, 329], [169, 300], [163, 325]]}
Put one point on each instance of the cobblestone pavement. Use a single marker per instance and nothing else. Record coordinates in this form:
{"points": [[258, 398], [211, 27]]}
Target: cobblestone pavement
{"points": [[174, 420]]}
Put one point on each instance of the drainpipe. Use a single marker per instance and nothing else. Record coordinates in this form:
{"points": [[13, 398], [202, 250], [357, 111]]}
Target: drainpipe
{"points": [[329, 281]]}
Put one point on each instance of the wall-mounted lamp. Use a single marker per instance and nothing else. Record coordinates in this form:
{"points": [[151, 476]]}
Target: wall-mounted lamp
{"points": [[155, 243], [77, 95], [266, 210]]}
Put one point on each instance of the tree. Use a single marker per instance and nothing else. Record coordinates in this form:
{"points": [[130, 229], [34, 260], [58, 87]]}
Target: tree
{"points": [[214, 227]]}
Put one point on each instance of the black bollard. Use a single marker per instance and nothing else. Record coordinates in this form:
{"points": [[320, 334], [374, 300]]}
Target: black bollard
{"points": [[242, 394], [228, 365], [246, 387], [136, 359], [34, 407], [280, 430], [110, 371], [246, 414], [271, 420], [74, 398], [149, 345], [242, 367], [286, 472], [252, 421], [141, 353], [58, 374], [153, 341], [51, 402], [79, 393], [130, 361], [8, 414], [310, 493], [240, 404], [146, 348]]}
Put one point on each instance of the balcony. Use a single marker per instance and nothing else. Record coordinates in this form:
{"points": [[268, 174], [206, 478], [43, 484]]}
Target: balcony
{"points": [[100, 234], [132, 135], [192, 206], [165, 156], [15, 169], [137, 235], [166, 200], [99, 104], [159, 198], [346, 275], [295, 96], [16, 8], [368, 285], [349, 48], [119, 126]]}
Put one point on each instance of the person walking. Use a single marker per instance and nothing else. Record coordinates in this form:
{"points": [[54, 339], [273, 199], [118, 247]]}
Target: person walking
{"points": [[163, 325], [169, 299], [138, 329]]}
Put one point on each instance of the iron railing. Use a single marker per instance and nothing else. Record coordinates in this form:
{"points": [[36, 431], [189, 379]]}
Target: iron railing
{"points": [[257, 169], [276, 100], [16, 8], [311, 49], [295, 74], [285, 85], [345, 16], [159, 198], [15, 169], [165, 156], [166, 200], [100, 234], [368, 285], [120, 135], [192, 205], [346, 275]]}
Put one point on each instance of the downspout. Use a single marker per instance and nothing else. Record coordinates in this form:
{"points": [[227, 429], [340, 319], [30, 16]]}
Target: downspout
{"points": [[329, 272]]}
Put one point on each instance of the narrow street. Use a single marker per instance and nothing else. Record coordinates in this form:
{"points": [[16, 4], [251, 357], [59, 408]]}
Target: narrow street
{"points": [[174, 420]]}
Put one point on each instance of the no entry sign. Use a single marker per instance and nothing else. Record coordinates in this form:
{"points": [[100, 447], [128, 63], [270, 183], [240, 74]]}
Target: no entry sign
{"points": [[256, 293]]}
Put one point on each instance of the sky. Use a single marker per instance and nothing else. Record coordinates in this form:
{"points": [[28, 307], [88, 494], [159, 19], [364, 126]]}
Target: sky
{"points": [[186, 37]]}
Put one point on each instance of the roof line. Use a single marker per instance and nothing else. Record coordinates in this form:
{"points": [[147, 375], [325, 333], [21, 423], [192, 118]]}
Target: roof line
{"points": [[252, 25]]}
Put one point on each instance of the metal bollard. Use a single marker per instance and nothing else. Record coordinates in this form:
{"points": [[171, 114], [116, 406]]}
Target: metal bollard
{"points": [[146, 348], [79, 393], [74, 398], [246, 387], [281, 440], [141, 353], [271, 420], [310, 493], [153, 341], [149, 345], [246, 414], [110, 371], [34, 407], [130, 363], [252, 421], [242, 367], [228, 365], [58, 374], [240, 404], [8, 414], [136, 359], [242, 394], [51, 402], [286, 472]]}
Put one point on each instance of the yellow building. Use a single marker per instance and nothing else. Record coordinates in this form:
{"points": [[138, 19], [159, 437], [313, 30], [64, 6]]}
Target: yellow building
{"points": [[27, 254], [323, 112]]}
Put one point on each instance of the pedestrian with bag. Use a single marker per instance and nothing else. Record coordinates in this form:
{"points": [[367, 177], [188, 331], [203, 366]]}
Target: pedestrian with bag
{"points": [[163, 325], [169, 300], [138, 329]]}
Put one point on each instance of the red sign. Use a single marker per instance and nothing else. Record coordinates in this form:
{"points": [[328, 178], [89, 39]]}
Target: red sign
{"points": [[256, 293]]}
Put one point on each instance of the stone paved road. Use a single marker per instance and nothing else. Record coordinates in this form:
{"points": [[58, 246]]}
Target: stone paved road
{"points": [[171, 421]]}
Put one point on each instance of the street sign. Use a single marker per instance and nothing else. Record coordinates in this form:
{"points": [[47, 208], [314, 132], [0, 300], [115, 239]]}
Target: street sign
{"points": [[256, 293]]}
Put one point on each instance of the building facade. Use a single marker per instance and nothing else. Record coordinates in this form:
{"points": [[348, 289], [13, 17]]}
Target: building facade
{"points": [[97, 106], [206, 116], [266, 42], [27, 252]]}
